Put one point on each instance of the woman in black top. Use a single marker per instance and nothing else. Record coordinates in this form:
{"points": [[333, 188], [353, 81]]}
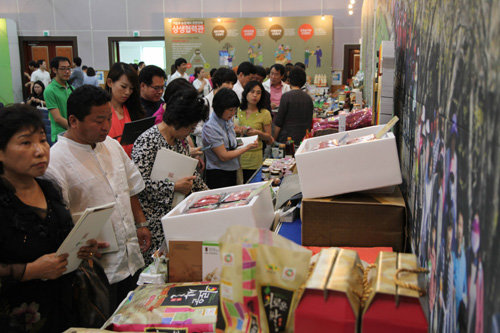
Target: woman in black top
{"points": [[34, 293], [36, 98]]}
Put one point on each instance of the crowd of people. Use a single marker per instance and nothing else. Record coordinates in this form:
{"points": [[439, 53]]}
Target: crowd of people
{"points": [[43, 188]]}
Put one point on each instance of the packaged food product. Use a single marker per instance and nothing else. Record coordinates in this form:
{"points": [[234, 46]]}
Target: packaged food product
{"points": [[361, 139], [207, 200], [234, 204], [237, 196], [201, 209]]}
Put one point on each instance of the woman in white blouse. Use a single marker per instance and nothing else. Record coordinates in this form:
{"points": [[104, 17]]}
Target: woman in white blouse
{"points": [[201, 83]]}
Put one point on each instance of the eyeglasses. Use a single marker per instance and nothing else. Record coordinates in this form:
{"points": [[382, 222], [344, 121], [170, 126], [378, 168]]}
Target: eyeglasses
{"points": [[158, 88], [64, 69]]}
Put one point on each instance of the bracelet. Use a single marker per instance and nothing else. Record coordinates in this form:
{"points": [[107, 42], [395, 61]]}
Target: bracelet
{"points": [[144, 224]]}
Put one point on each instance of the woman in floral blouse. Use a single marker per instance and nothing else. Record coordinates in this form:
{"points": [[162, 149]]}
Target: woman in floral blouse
{"points": [[183, 112]]}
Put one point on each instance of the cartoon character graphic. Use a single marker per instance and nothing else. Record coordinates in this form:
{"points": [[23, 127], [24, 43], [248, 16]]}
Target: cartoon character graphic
{"points": [[318, 53], [307, 54]]}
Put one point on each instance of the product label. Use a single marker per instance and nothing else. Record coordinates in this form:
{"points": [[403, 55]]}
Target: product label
{"points": [[277, 303]]}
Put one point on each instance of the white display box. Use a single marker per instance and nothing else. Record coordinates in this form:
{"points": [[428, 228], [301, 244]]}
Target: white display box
{"points": [[348, 168], [211, 225]]}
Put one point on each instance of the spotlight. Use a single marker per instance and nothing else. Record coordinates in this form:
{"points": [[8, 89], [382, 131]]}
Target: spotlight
{"points": [[351, 12], [350, 6]]}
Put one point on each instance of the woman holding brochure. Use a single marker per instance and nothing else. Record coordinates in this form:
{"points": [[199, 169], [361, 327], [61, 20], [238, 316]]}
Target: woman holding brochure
{"points": [[183, 112], [123, 86], [255, 120], [218, 132], [34, 293]]}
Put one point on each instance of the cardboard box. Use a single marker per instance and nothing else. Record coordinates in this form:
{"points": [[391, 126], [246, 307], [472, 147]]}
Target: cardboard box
{"points": [[356, 219], [348, 168], [211, 225], [193, 261]]}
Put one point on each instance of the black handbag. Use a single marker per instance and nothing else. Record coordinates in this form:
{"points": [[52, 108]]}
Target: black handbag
{"points": [[91, 295]]}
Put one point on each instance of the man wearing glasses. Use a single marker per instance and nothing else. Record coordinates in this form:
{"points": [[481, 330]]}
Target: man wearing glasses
{"points": [[56, 96], [152, 83]]}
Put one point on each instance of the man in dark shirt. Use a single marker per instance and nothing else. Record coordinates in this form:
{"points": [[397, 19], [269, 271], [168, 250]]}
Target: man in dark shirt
{"points": [[152, 83], [295, 112]]}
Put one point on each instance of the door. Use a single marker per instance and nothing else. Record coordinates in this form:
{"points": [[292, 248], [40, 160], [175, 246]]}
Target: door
{"points": [[46, 48], [351, 61]]}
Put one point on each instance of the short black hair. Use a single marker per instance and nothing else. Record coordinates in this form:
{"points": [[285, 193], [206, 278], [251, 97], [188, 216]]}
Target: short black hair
{"points": [[179, 61], [260, 71], [297, 77], [90, 71], [223, 100], [39, 62], [248, 87], [176, 85], [223, 75], [17, 117], [32, 63], [212, 71], [40, 83], [54, 63], [246, 67], [84, 67], [278, 67], [141, 63], [134, 66], [147, 73], [83, 99], [77, 61], [185, 108], [300, 65]]}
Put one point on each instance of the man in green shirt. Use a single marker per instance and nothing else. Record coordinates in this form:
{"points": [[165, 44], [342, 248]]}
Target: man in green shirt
{"points": [[56, 96]]}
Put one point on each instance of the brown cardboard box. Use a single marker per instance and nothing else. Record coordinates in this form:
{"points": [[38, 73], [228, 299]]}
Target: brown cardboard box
{"points": [[193, 261], [355, 219]]}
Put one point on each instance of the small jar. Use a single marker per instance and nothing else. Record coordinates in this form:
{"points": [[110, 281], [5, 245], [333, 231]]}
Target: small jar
{"points": [[275, 174], [265, 173]]}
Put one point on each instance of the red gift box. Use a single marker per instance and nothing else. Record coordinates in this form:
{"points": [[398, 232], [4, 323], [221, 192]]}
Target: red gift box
{"points": [[393, 305]]}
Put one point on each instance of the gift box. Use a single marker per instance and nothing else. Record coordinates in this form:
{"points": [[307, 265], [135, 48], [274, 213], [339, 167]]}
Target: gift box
{"points": [[393, 304], [331, 299], [349, 167], [356, 219], [191, 261], [211, 222]]}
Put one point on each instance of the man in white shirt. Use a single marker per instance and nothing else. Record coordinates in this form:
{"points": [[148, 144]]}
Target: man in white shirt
{"points": [[93, 169], [245, 74], [181, 67], [275, 85], [41, 74]]}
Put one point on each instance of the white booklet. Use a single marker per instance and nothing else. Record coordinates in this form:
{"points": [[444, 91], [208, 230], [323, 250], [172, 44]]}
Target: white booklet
{"points": [[173, 166], [246, 140], [89, 226]]}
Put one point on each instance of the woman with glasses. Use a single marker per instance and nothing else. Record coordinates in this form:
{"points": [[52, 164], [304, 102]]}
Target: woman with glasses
{"points": [[123, 86], [183, 112], [218, 133]]}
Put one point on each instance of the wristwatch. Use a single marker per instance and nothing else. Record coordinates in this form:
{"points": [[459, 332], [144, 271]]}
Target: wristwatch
{"points": [[144, 224]]}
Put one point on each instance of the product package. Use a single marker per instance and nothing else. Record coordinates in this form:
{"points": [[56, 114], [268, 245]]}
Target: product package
{"points": [[260, 280], [183, 307], [346, 295]]}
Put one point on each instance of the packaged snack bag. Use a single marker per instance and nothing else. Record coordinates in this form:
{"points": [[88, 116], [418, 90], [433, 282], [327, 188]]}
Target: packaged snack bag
{"points": [[261, 275], [181, 307]]}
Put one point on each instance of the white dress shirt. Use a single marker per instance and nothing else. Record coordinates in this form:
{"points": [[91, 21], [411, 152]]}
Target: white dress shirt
{"points": [[91, 177], [177, 75], [238, 89]]}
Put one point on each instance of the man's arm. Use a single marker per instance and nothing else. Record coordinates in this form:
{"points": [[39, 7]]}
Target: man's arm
{"points": [[143, 233], [60, 120]]}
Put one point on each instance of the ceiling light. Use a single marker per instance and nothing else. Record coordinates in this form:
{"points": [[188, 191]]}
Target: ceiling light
{"points": [[218, 19], [270, 19], [351, 12], [353, 1], [323, 17], [350, 6]]}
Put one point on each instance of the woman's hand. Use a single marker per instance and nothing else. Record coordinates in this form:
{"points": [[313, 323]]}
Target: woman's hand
{"points": [[195, 152], [184, 185], [48, 267], [87, 252], [251, 146]]}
